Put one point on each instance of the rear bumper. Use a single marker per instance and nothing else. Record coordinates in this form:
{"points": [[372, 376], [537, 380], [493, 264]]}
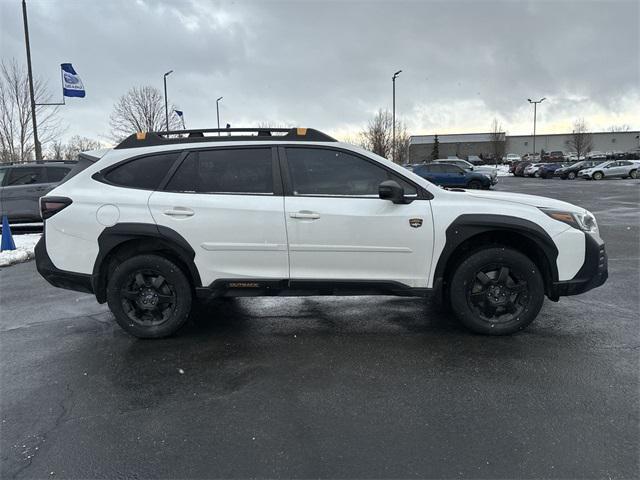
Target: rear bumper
{"points": [[594, 271], [79, 282]]}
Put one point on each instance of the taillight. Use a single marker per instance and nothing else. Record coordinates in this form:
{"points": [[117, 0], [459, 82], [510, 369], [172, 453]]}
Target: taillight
{"points": [[49, 206]]}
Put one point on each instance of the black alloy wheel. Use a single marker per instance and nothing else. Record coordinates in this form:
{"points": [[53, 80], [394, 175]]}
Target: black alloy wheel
{"points": [[496, 291], [149, 295], [147, 298], [497, 295]]}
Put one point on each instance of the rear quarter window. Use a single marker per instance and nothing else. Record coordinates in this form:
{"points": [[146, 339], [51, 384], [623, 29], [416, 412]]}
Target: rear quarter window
{"points": [[144, 173], [56, 174]]}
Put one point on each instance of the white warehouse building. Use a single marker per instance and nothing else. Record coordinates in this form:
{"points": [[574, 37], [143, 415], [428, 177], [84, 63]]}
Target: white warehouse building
{"points": [[465, 144]]}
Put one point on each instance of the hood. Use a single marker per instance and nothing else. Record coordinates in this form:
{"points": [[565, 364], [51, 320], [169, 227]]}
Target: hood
{"points": [[531, 200]]}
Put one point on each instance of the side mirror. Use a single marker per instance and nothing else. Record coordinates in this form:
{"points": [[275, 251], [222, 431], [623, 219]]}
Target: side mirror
{"points": [[391, 190]]}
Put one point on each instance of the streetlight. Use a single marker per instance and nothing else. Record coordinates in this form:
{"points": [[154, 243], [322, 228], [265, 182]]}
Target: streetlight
{"points": [[393, 142], [166, 107], [535, 104], [218, 113]]}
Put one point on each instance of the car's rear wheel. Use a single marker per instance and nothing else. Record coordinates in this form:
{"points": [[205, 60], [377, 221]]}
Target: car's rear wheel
{"points": [[633, 173], [571, 176], [149, 296], [496, 291], [474, 185], [597, 176]]}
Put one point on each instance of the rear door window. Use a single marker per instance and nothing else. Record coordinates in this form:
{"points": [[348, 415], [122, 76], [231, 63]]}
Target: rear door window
{"points": [[225, 171], [144, 173], [26, 176]]}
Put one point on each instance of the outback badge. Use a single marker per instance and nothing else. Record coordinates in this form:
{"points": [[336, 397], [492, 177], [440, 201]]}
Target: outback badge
{"points": [[415, 222]]}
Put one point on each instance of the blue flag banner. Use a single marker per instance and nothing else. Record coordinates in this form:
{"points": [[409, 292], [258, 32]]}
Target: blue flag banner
{"points": [[71, 84]]}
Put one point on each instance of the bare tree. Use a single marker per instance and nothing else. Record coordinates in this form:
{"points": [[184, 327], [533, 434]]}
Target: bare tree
{"points": [[79, 144], [619, 128], [377, 136], [16, 128], [497, 140], [141, 109], [55, 151], [402, 143], [581, 140]]}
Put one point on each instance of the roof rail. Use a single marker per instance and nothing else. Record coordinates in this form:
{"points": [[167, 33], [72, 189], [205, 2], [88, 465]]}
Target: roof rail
{"points": [[150, 139]]}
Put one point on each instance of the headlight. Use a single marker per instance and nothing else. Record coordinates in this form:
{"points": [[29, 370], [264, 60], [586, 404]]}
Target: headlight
{"points": [[584, 221]]}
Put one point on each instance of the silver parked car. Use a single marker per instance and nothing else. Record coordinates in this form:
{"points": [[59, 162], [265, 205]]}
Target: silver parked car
{"points": [[612, 168], [22, 185]]}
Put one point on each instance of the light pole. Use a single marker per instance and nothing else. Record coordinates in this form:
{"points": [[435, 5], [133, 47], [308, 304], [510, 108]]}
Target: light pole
{"points": [[393, 136], [36, 143], [218, 113], [535, 104], [166, 106]]}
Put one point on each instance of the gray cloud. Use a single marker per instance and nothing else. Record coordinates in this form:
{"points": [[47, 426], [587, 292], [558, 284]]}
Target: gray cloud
{"points": [[329, 64]]}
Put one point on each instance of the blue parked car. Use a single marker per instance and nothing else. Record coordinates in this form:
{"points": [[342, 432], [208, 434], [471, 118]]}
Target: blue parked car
{"points": [[447, 175], [548, 169]]}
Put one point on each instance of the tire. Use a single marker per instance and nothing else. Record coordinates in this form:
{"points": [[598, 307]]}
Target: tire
{"points": [[571, 175], [536, 174], [474, 185], [597, 176], [633, 174], [496, 291], [149, 296]]}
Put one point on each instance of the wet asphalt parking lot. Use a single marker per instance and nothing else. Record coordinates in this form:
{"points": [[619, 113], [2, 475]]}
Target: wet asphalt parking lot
{"points": [[331, 387]]}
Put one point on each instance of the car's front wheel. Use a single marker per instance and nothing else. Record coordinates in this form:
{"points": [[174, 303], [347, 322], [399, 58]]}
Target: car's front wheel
{"points": [[496, 291], [597, 176], [571, 175], [150, 296], [474, 185]]}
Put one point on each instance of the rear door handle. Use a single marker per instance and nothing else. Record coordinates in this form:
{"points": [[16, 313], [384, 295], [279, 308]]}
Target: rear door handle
{"points": [[179, 212], [306, 215]]}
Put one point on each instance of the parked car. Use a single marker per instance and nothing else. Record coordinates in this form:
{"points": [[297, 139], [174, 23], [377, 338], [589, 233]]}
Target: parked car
{"points": [[611, 169], [596, 155], [491, 172], [520, 167], [511, 158], [531, 157], [571, 171], [556, 156], [160, 221], [21, 185], [548, 169], [449, 175], [475, 160], [533, 170]]}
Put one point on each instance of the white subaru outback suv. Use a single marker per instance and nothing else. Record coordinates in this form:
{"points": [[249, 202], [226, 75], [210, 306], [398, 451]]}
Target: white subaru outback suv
{"points": [[166, 218]]}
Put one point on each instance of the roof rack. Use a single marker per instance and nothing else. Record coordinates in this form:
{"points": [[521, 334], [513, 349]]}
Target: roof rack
{"points": [[150, 139]]}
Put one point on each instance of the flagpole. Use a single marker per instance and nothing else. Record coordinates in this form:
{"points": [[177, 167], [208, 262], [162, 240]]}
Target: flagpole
{"points": [[38, 149]]}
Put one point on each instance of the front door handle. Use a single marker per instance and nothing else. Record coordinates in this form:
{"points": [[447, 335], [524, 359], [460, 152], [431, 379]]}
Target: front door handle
{"points": [[305, 215], [179, 212]]}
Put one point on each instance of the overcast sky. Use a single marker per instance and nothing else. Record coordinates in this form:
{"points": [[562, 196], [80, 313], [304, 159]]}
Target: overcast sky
{"points": [[328, 64]]}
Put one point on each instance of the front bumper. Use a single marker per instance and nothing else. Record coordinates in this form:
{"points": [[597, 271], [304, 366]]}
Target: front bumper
{"points": [[79, 282], [594, 271]]}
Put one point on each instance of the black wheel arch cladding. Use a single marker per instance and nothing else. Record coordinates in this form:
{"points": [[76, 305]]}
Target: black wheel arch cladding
{"points": [[467, 226], [158, 236]]}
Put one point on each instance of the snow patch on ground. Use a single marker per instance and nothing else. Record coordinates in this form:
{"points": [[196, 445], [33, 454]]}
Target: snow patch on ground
{"points": [[503, 170], [23, 252]]}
